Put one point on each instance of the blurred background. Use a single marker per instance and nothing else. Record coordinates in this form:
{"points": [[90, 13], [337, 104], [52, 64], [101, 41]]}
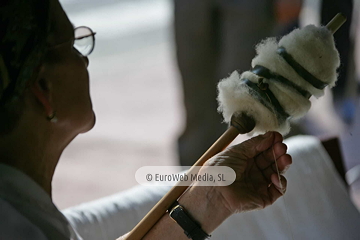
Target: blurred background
{"points": [[136, 97], [138, 91]]}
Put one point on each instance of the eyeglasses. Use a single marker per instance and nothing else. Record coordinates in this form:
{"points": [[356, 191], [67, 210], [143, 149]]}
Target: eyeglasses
{"points": [[84, 41]]}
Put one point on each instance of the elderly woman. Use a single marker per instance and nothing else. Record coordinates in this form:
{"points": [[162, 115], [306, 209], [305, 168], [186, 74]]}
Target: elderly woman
{"points": [[45, 104]]}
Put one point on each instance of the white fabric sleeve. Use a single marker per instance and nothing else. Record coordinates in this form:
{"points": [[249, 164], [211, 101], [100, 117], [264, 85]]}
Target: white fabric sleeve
{"points": [[113, 216], [316, 206]]}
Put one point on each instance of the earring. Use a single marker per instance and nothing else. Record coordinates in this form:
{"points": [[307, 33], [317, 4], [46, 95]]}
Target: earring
{"points": [[52, 117], [51, 114]]}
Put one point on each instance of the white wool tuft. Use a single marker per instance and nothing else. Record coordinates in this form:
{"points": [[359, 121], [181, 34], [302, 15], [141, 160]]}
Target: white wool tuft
{"points": [[235, 96], [312, 47], [268, 57], [293, 103]]}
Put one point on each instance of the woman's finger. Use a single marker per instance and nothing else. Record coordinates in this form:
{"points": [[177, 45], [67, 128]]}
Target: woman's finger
{"points": [[266, 158], [283, 163], [256, 145], [279, 185], [276, 190]]}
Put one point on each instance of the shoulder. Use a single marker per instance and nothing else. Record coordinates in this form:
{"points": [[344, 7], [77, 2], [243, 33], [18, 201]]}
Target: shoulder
{"points": [[16, 225]]}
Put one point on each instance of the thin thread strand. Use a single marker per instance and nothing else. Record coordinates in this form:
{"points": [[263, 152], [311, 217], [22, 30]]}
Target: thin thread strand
{"points": [[286, 211], [277, 168], [278, 173], [288, 219]]}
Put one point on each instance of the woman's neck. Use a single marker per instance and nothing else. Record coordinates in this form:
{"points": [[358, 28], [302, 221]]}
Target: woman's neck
{"points": [[34, 151]]}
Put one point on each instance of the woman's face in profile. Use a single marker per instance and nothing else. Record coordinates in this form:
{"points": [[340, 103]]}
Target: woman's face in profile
{"points": [[67, 71]]}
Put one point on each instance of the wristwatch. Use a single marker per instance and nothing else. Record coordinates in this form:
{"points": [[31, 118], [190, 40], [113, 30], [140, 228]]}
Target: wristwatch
{"points": [[191, 228]]}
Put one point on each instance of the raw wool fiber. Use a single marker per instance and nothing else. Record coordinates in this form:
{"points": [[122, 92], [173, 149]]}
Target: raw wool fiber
{"points": [[235, 97], [312, 47]]}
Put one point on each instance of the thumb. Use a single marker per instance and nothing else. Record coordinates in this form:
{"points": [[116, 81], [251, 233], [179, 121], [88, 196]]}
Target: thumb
{"points": [[258, 144]]}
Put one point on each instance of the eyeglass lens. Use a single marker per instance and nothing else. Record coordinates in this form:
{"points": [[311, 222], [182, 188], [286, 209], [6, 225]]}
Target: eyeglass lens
{"points": [[84, 40]]}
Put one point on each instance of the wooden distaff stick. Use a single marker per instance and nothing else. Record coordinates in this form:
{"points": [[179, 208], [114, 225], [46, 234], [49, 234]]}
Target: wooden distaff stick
{"points": [[240, 124]]}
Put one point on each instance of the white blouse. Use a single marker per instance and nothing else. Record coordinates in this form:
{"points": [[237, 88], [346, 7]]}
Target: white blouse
{"points": [[27, 211]]}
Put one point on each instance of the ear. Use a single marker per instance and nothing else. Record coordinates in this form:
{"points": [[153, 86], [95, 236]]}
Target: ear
{"points": [[41, 88]]}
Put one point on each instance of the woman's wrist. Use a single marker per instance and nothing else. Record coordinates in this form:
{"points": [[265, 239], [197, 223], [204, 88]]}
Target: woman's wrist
{"points": [[206, 206], [202, 204]]}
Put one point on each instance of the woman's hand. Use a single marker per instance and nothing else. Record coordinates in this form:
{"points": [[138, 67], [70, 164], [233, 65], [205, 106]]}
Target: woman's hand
{"points": [[257, 184]]}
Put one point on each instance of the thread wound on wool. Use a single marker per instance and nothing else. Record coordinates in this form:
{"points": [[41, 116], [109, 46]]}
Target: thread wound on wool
{"points": [[301, 64]]}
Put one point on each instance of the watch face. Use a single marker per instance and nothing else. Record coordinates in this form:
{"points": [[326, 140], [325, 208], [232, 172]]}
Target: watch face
{"points": [[176, 208], [173, 212]]}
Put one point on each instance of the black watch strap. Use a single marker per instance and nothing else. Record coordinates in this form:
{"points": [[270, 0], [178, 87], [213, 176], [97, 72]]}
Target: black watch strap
{"points": [[191, 228]]}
